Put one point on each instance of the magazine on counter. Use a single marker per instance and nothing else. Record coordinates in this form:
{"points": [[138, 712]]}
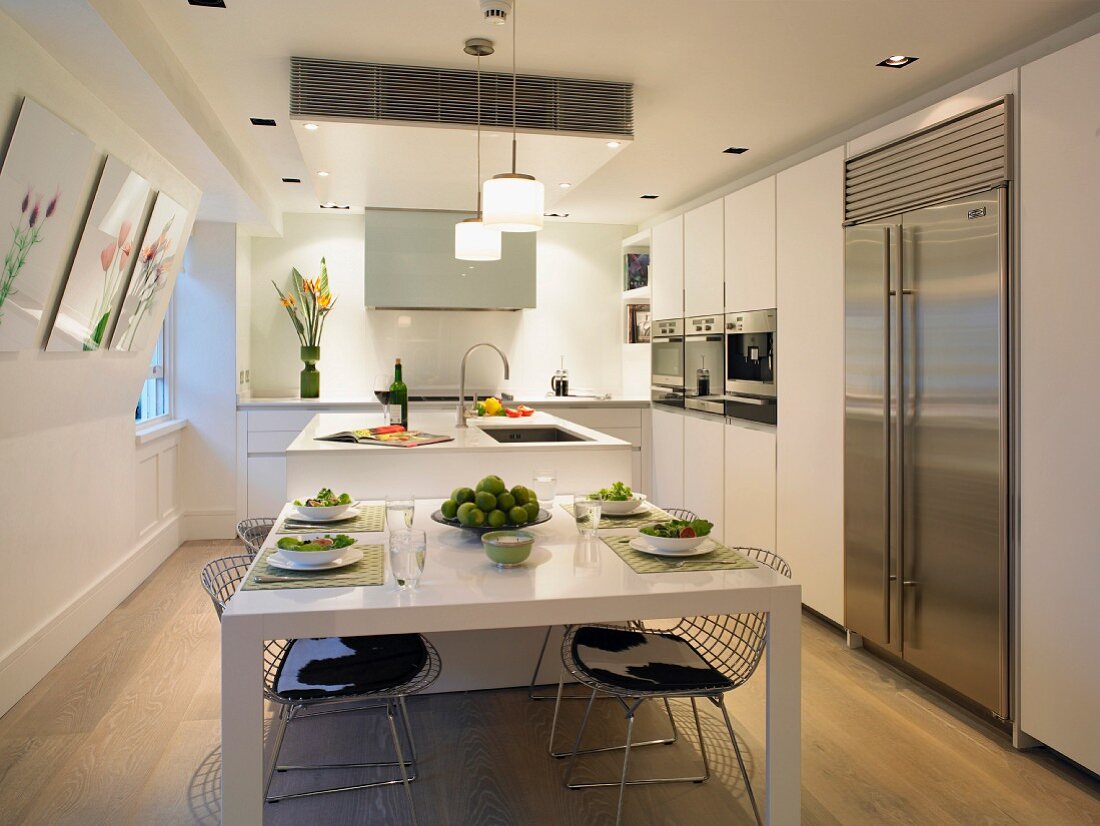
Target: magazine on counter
{"points": [[393, 435]]}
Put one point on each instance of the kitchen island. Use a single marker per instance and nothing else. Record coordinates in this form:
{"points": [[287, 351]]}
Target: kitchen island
{"points": [[583, 459]]}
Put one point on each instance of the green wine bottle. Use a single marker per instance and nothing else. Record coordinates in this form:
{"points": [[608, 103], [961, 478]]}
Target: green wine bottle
{"points": [[399, 398]]}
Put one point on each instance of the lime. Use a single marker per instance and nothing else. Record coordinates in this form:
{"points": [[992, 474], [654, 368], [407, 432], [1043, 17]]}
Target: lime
{"points": [[492, 484], [485, 500], [497, 518], [532, 509], [506, 501], [464, 511], [449, 509], [463, 495], [477, 518], [518, 515], [521, 494]]}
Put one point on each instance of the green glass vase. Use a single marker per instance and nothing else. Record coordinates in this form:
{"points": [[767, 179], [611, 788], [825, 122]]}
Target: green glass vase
{"points": [[310, 379]]}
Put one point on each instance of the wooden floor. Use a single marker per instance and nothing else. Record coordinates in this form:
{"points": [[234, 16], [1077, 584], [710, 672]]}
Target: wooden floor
{"points": [[125, 730]]}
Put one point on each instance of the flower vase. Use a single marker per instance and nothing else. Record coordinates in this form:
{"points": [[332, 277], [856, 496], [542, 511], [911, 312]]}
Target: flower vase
{"points": [[310, 380]]}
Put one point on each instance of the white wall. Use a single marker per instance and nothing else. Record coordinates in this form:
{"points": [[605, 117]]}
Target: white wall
{"points": [[579, 288], [69, 488], [206, 379]]}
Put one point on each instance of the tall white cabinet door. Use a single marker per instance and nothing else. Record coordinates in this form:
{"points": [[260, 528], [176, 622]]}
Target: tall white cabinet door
{"points": [[704, 474], [1059, 616], [704, 264], [750, 485], [668, 458], [666, 269], [750, 247], [810, 449]]}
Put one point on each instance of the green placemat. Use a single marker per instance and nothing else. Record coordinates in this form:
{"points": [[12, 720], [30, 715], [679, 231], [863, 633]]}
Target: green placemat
{"points": [[370, 570], [720, 558], [650, 516], [370, 519]]}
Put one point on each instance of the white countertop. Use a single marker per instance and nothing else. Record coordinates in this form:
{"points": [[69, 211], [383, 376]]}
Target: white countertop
{"points": [[442, 423], [365, 403]]}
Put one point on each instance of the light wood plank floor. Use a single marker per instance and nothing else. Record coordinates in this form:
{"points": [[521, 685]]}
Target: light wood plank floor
{"points": [[125, 730]]}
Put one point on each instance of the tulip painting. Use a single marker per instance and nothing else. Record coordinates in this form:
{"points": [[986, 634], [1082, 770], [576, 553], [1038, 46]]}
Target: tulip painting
{"points": [[24, 238]]}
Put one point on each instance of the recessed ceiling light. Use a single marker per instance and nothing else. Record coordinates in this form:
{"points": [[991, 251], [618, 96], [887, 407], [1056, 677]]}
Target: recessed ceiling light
{"points": [[209, 4], [650, 197], [322, 174], [292, 180], [613, 144], [555, 214], [262, 121], [333, 205], [564, 185], [312, 127], [897, 61], [736, 150]]}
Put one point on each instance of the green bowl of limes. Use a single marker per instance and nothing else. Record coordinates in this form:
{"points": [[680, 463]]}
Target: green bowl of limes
{"points": [[508, 549]]}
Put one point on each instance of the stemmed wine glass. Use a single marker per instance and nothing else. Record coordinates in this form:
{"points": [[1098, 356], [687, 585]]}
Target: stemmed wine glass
{"points": [[382, 392]]}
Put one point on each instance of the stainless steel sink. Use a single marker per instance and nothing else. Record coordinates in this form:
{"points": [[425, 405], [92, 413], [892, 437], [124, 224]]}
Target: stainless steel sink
{"points": [[537, 433]]}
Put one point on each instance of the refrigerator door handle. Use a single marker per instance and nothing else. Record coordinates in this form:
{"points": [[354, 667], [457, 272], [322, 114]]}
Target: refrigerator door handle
{"points": [[886, 483], [898, 481]]}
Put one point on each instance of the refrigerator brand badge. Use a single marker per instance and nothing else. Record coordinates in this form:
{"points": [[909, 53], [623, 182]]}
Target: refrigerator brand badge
{"points": [[976, 213]]}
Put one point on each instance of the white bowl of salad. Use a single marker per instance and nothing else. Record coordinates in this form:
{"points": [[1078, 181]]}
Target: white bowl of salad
{"points": [[677, 535], [326, 506], [618, 500], [314, 550]]}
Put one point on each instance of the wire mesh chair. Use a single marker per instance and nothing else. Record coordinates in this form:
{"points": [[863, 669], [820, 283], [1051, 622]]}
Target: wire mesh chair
{"points": [[719, 652], [253, 532], [282, 685]]}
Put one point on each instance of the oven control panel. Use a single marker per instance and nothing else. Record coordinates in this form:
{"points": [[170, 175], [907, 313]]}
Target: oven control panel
{"points": [[668, 327], [705, 324]]}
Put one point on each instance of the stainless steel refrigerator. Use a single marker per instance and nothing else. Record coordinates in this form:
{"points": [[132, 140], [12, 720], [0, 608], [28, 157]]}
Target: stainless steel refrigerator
{"points": [[926, 439]]}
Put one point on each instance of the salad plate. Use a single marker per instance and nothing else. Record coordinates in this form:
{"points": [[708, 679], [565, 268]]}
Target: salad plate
{"points": [[618, 500], [639, 543], [352, 556], [305, 514], [634, 508]]}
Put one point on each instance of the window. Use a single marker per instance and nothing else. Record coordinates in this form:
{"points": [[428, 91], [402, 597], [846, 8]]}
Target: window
{"points": [[154, 401]]}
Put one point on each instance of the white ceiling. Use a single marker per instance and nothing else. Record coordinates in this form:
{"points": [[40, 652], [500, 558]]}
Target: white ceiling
{"points": [[773, 75]]}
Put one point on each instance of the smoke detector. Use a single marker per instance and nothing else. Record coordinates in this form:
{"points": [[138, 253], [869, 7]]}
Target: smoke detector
{"points": [[495, 11]]}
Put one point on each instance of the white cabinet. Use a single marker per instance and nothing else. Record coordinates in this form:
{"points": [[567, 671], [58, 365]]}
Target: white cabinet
{"points": [[810, 449], [750, 486], [750, 247], [704, 483], [704, 266], [1059, 615], [666, 269], [668, 458]]}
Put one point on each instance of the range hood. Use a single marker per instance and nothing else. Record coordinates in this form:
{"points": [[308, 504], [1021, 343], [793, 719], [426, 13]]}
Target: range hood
{"points": [[410, 265]]}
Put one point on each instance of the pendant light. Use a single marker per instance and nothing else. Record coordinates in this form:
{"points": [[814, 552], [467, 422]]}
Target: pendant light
{"points": [[473, 240], [514, 202]]}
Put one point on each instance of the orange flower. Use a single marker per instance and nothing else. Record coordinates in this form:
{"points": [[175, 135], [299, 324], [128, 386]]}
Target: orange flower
{"points": [[324, 301], [288, 300]]}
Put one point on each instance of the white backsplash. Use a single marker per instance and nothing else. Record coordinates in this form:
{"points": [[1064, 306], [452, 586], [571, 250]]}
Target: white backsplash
{"points": [[578, 316]]}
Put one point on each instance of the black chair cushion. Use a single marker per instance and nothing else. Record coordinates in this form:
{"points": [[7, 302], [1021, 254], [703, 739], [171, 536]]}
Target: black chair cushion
{"points": [[319, 668], [633, 661]]}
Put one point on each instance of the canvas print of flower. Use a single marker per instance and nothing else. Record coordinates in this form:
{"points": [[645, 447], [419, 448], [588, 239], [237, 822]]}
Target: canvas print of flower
{"points": [[43, 189], [158, 261], [104, 258]]}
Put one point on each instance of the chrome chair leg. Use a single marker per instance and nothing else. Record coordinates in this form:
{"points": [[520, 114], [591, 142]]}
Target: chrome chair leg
{"points": [[277, 747], [401, 760], [408, 732], [702, 742], [538, 664], [626, 765], [577, 744], [740, 760], [561, 754]]}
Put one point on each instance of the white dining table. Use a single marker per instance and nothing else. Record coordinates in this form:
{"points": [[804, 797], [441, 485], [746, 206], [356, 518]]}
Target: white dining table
{"points": [[567, 580]]}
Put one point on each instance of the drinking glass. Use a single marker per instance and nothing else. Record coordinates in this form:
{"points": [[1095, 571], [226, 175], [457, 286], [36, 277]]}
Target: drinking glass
{"points": [[587, 512], [407, 551], [545, 485], [382, 393], [399, 512]]}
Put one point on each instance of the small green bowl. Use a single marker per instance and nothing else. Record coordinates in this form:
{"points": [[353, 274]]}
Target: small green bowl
{"points": [[508, 548]]}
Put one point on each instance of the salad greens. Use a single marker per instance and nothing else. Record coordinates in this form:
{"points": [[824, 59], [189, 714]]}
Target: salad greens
{"points": [[325, 498], [679, 529], [618, 492], [328, 542]]}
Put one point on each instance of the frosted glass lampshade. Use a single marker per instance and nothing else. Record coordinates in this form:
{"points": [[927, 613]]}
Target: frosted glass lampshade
{"points": [[476, 242], [513, 203]]}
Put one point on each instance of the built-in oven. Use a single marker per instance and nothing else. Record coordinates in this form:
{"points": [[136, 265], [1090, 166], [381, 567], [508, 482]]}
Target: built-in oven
{"points": [[667, 362], [705, 364], [751, 365]]}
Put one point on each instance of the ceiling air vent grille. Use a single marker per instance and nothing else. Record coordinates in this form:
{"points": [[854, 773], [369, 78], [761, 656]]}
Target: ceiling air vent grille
{"points": [[346, 90], [963, 154]]}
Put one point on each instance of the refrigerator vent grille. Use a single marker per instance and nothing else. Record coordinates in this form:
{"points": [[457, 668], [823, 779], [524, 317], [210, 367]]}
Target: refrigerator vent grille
{"points": [[348, 90], [964, 154]]}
